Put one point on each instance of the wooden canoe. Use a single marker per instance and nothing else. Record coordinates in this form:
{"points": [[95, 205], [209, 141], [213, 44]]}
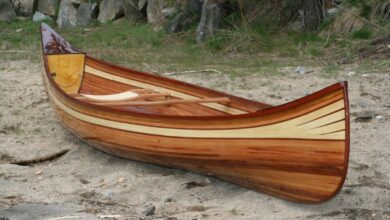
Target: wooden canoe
{"points": [[297, 151]]}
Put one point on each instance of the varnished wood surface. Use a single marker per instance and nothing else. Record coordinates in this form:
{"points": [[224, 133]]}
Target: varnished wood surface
{"points": [[163, 102], [67, 71], [297, 151]]}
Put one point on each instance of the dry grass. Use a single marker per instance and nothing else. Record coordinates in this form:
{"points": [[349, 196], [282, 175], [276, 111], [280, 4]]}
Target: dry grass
{"points": [[348, 21], [381, 9], [371, 14]]}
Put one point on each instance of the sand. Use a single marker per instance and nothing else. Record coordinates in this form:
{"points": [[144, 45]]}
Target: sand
{"points": [[85, 183]]}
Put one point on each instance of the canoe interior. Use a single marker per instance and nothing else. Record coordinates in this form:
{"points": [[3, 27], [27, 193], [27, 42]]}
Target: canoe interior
{"points": [[77, 73], [297, 151]]}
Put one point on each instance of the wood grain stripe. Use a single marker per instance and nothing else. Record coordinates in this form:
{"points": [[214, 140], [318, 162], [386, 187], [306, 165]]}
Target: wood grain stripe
{"points": [[278, 130]]}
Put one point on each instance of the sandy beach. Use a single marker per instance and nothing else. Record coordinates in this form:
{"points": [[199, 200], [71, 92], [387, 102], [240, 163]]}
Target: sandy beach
{"points": [[75, 181]]}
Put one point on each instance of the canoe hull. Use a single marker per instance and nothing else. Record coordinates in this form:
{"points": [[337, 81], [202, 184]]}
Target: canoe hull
{"points": [[297, 151], [305, 170]]}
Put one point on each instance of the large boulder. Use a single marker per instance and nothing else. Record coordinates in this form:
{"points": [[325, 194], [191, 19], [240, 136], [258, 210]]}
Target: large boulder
{"points": [[48, 7], [210, 20], [110, 10], [86, 12], [159, 11], [7, 12], [67, 15], [132, 11], [76, 13], [142, 4], [23, 7]]}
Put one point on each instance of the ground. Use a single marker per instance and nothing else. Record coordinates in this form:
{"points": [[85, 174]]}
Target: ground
{"points": [[84, 183]]}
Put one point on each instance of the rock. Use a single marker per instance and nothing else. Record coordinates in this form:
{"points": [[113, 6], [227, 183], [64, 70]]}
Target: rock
{"points": [[363, 103], [86, 12], [108, 194], [110, 217], [194, 184], [332, 12], [78, 2], [121, 179], [365, 116], [84, 181], [5, 46], [168, 200], [110, 10], [209, 22], [197, 208], [295, 26], [176, 24], [191, 12], [67, 15], [7, 12], [141, 4], [351, 73], [23, 7], [132, 11], [88, 195], [300, 70], [149, 211], [38, 16], [158, 12], [380, 118], [48, 7]]}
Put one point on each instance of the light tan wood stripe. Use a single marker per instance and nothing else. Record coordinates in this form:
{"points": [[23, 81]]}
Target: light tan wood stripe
{"points": [[174, 93], [329, 128], [278, 130], [312, 117], [337, 116]]}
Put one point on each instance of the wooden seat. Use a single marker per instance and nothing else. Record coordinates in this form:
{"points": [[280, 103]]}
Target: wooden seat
{"points": [[111, 98]]}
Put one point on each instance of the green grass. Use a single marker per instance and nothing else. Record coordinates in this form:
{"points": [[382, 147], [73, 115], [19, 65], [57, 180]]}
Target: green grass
{"points": [[362, 34], [233, 211], [332, 70], [258, 49]]}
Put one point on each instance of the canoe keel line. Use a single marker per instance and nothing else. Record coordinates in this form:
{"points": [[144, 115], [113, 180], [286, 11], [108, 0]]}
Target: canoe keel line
{"points": [[297, 151]]}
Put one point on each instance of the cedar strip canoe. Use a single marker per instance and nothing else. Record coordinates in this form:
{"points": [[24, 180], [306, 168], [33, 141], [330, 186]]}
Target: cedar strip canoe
{"points": [[297, 151]]}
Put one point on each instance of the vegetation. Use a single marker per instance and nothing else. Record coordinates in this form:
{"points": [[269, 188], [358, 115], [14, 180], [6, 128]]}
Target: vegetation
{"points": [[250, 43]]}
